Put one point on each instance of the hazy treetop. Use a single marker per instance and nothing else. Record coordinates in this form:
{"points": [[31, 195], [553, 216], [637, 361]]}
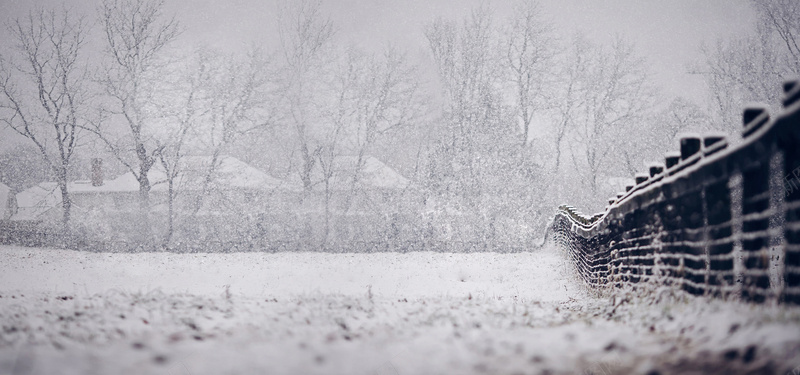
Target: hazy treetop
{"points": [[668, 33]]}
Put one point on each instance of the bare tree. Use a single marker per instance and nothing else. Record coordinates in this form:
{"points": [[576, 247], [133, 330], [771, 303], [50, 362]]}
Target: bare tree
{"points": [[383, 96], [326, 155], [305, 36], [567, 98], [183, 117], [613, 97], [781, 18], [658, 133], [753, 67], [367, 97], [477, 163], [136, 35], [236, 96], [476, 129], [44, 89], [529, 53]]}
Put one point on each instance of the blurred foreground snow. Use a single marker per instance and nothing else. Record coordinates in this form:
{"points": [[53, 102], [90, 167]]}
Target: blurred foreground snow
{"points": [[66, 312]]}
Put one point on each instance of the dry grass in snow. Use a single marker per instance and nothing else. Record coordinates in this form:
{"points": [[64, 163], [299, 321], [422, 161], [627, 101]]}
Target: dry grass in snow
{"points": [[66, 312]]}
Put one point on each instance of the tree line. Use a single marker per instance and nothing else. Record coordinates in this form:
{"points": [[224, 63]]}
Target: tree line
{"points": [[514, 120]]}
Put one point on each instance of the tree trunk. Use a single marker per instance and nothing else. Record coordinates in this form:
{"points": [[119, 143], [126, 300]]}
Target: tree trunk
{"points": [[171, 212], [66, 204], [308, 166], [144, 207], [327, 214]]}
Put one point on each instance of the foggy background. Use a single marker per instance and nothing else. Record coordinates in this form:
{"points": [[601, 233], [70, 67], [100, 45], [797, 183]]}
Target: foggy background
{"points": [[668, 34], [366, 125]]}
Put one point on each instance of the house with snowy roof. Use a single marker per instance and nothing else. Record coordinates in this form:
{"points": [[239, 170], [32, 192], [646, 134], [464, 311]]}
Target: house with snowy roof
{"points": [[346, 174], [222, 182], [38, 203], [358, 185]]}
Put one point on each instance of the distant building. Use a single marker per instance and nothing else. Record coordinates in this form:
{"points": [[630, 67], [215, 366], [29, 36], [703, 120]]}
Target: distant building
{"points": [[368, 188], [235, 201], [38, 203], [236, 180], [372, 175]]}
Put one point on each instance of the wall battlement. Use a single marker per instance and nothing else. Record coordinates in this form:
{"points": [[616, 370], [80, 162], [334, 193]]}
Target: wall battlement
{"points": [[712, 220]]}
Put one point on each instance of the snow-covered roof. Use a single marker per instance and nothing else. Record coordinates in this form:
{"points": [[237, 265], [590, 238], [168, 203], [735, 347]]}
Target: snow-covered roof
{"points": [[379, 175], [230, 172], [34, 202], [374, 174]]}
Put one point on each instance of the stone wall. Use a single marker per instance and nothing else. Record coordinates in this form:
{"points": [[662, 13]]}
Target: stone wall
{"points": [[713, 220]]}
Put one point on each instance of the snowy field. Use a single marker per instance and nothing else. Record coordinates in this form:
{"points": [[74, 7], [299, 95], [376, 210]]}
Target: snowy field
{"points": [[67, 312]]}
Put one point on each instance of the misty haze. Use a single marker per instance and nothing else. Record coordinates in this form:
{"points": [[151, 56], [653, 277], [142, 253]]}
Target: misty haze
{"points": [[407, 187]]}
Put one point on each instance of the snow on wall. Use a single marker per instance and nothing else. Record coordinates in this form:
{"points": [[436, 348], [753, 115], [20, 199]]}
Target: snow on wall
{"points": [[689, 223]]}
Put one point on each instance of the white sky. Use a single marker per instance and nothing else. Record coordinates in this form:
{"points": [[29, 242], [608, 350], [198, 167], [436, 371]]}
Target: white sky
{"points": [[668, 33]]}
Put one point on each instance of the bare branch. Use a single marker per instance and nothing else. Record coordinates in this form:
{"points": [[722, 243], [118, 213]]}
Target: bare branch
{"points": [[43, 98]]}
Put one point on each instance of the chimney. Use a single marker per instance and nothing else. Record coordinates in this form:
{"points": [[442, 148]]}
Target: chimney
{"points": [[97, 172]]}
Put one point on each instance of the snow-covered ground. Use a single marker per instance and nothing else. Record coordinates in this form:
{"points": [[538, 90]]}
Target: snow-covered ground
{"points": [[65, 312]]}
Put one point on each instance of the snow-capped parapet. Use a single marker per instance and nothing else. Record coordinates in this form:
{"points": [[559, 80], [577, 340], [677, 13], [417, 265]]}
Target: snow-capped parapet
{"points": [[791, 92], [655, 169], [754, 116], [672, 159], [714, 142]]}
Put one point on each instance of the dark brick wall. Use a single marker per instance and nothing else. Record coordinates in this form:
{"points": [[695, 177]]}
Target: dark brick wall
{"points": [[718, 220]]}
